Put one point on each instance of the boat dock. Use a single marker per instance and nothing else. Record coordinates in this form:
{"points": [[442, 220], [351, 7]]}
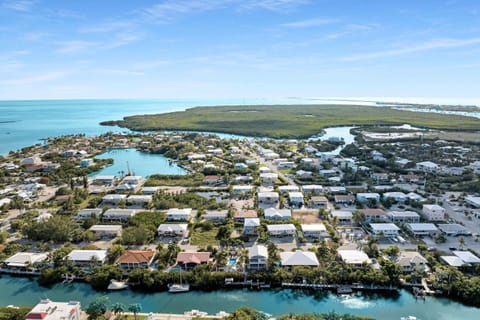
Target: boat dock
{"points": [[339, 287]]}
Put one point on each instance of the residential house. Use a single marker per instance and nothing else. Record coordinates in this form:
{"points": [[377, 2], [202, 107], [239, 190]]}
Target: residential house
{"points": [[138, 200], [87, 258], [289, 188], [427, 166], [402, 217], [118, 215], [268, 199], [473, 201], [241, 190], [453, 229], [135, 259], [150, 190], [336, 190], [251, 226], [214, 181], [384, 230], [365, 197], [344, 199], [395, 196], [314, 189], [240, 216], [314, 230], [318, 202], [433, 212], [343, 217], [295, 199], [299, 258], [51, 310], [88, 213], [373, 215], [326, 173], [277, 214], [172, 229], [113, 199], [281, 230], [106, 231], [303, 174], [411, 261], [257, 257], [355, 258], [216, 215], [268, 177], [189, 260], [422, 229], [175, 214], [23, 262]]}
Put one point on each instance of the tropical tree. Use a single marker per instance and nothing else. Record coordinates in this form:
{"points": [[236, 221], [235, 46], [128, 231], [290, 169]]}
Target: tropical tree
{"points": [[135, 308], [118, 308], [97, 307]]}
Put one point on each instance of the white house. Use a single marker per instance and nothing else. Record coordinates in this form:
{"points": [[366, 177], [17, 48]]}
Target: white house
{"points": [[312, 188], [251, 226], [268, 177], [238, 190], [23, 262], [118, 215], [343, 217], [289, 188], [215, 215], [175, 214], [422, 229], [87, 257], [453, 229], [295, 199], [268, 198], [277, 214], [395, 196], [88, 213], [138, 200], [403, 217], [52, 310], [368, 196], [354, 257], [327, 173], [304, 174], [257, 257], [281, 230], [314, 230], [299, 258], [381, 230], [411, 261], [473, 201], [433, 212], [172, 229], [105, 180], [286, 165], [106, 230], [427, 166], [113, 199]]}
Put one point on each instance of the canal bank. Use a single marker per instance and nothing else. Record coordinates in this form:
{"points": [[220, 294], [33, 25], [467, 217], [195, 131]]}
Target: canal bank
{"points": [[25, 291]]}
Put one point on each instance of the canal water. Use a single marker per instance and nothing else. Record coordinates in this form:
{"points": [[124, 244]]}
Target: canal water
{"points": [[24, 291], [140, 163]]}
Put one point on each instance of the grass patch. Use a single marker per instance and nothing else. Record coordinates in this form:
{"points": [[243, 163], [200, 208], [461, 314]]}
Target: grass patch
{"points": [[282, 121], [190, 180], [203, 237]]}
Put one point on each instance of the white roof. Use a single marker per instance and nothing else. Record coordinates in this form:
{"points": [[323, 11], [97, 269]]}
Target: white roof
{"points": [[295, 195], [146, 198], [342, 214], [384, 227], [314, 227], [119, 213], [171, 227], [288, 188], [268, 175], [251, 222], [473, 200], [453, 261], [312, 187], [403, 214], [24, 258], [242, 188], [432, 207], [114, 197], [54, 310], [87, 255], [354, 256], [257, 250], [281, 213], [422, 227], [281, 227], [394, 195], [368, 194], [104, 178], [299, 258], [179, 212], [467, 256], [106, 227], [268, 195], [428, 164]]}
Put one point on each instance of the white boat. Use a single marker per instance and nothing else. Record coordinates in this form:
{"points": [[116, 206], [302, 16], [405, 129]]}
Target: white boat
{"points": [[408, 318], [178, 287], [117, 285]]}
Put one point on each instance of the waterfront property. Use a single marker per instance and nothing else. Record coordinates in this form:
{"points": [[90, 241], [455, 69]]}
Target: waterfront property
{"points": [[52, 310], [189, 260], [257, 257], [298, 258], [355, 258], [134, 259], [172, 229], [87, 258]]}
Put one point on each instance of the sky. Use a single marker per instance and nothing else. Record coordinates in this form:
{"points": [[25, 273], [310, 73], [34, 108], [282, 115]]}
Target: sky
{"points": [[53, 49]]}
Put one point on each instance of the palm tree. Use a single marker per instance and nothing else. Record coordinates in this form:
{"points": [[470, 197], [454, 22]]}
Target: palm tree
{"points": [[118, 308], [135, 308]]}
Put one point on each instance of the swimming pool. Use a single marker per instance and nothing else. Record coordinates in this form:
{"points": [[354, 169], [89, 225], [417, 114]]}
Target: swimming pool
{"points": [[232, 261]]}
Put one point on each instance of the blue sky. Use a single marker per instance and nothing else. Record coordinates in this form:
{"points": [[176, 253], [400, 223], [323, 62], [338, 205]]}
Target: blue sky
{"points": [[239, 49]]}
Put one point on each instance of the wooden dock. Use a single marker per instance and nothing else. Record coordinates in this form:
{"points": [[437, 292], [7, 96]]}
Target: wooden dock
{"points": [[339, 287]]}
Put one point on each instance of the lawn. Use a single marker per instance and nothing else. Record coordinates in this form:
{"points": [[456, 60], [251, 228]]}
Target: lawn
{"points": [[202, 237], [292, 121]]}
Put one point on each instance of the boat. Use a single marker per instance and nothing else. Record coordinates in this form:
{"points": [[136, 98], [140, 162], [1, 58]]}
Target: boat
{"points": [[408, 318], [344, 289], [117, 285], [179, 287]]}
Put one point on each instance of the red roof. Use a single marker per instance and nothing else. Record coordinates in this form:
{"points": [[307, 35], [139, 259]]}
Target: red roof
{"points": [[373, 212], [136, 256], [193, 257], [36, 315]]}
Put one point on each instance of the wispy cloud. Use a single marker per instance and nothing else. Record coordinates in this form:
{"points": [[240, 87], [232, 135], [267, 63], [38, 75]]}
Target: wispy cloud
{"points": [[47, 76], [18, 5], [274, 5], [107, 27], [75, 46], [309, 23], [427, 46], [165, 10], [120, 72]]}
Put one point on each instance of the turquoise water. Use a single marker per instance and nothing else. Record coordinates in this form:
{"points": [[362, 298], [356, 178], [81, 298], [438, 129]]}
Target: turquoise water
{"points": [[232, 261], [23, 123], [22, 291], [140, 163]]}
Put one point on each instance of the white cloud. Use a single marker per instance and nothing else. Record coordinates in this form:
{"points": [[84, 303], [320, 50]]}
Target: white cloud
{"points": [[108, 27], [120, 72], [309, 23], [274, 5], [427, 46], [47, 76], [75, 46], [18, 5]]}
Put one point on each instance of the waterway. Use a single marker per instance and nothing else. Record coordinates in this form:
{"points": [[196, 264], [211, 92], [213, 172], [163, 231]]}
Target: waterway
{"points": [[24, 291], [139, 163]]}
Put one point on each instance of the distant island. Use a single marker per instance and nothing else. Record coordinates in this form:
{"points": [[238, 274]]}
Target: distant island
{"points": [[290, 121]]}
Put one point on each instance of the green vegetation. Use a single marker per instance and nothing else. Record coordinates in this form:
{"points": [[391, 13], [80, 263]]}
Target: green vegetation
{"points": [[204, 234], [8, 313], [191, 180], [293, 121]]}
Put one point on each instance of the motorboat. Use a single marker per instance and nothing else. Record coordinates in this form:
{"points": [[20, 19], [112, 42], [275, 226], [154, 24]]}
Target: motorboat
{"points": [[178, 287], [117, 285]]}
